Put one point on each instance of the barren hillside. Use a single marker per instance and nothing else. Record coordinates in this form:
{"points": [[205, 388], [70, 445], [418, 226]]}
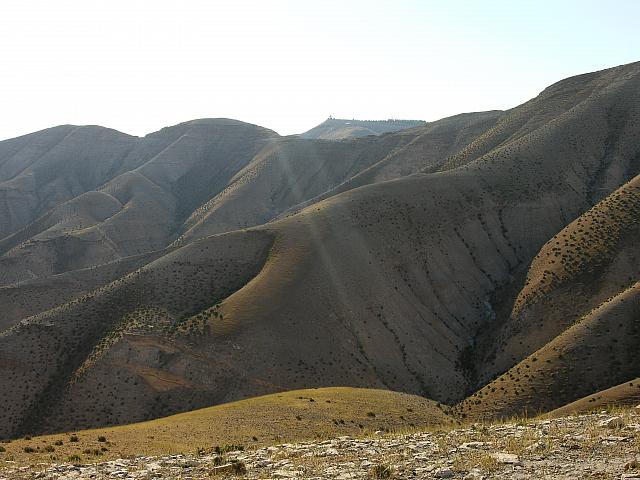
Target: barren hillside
{"points": [[217, 261]]}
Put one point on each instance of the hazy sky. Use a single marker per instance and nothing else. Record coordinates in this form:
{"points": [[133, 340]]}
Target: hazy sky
{"points": [[139, 65]]}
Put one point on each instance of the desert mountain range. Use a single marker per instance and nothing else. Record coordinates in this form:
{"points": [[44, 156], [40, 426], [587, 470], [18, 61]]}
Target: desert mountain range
{"points": [[487, 261]]}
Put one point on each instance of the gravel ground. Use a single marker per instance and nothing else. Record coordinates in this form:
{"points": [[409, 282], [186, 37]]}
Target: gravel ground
{"points": [[598, 446]]}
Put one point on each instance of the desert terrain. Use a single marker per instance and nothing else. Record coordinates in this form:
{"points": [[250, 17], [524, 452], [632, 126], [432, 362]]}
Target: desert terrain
{"points": [[472, 269]]}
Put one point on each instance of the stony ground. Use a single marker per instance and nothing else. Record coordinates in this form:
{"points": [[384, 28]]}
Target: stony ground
{"points": [[598, 446]]}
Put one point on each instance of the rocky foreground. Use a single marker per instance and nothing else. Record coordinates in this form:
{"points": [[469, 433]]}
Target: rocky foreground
{"points": [[598, 446]]}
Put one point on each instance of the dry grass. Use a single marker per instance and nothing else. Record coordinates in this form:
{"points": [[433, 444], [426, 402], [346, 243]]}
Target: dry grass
{"points": [[475, 459], [312, 414]]}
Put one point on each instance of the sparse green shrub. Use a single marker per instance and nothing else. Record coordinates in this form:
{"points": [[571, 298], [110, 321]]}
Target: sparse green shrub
{"points": [[28, 449], [73, 438], [102, 438], [228, 448]]}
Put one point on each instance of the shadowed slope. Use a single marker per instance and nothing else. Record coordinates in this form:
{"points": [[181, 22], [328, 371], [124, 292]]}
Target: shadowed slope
{"points": [[599, 351], [31, 297], [44, 169], [284, 174], [584, 271], [138, 202], [590, 260], [137, 219], [566, 98], [131, 335], [293, 173], [431, 145]]}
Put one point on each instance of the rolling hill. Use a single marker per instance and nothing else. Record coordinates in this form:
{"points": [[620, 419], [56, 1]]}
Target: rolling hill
{"points": [[489, 252], [282, 417]]}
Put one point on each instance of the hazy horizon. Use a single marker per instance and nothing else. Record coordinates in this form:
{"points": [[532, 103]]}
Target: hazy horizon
{"points": [[137, 67]]}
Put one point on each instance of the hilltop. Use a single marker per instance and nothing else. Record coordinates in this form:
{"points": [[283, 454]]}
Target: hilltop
{"points": [[341, 128], [252, 423]]}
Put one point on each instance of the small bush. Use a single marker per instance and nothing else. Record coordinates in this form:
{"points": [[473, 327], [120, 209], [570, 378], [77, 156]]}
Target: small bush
{"points": [[49, 448], [371, 414], [29, 449], [73, 438], [239, 468], [102, 438], [381, 470], [58, 442], [2, 449]]}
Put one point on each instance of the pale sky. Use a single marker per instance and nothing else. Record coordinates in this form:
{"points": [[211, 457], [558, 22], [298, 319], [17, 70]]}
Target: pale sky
{"points": [[137, 66]]}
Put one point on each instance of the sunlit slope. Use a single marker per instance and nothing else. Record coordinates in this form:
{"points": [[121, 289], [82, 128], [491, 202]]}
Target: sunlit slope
{"points": [[627, 393], [277, 418]]}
